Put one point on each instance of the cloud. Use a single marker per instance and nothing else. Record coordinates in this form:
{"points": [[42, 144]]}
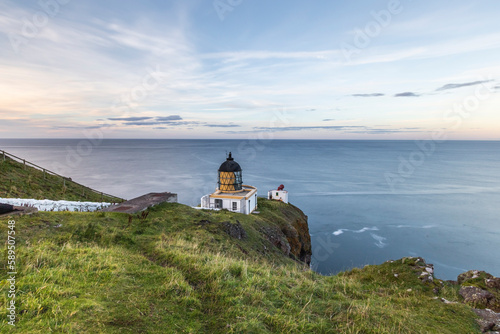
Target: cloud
{"points": [[354, 129], [129, 119], [169, 118], [328, 120], [144, 121], [406, 94], [171, 123], [222, 125], [368, 95], [311, 110], [61, 127], [465, 84], [299, 128], [236, 56]]}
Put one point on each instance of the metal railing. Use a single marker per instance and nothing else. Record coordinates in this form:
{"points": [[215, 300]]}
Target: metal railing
{"points": [[4, 155]]}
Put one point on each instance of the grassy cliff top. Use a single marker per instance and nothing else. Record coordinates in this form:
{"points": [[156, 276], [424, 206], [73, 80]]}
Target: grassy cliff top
{"points": [[180, 270], [175, 269], [20, 181]]}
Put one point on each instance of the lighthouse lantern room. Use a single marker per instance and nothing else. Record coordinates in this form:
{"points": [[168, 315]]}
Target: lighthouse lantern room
{"points": [[231, 193]]}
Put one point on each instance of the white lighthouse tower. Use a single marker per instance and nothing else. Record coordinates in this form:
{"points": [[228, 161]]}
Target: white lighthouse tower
{"points": [[231, 193]]}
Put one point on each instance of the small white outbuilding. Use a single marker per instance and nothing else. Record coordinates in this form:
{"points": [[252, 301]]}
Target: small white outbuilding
{"points": [[279, 194]]}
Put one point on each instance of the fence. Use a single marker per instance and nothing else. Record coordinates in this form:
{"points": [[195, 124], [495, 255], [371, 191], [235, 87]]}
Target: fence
{"points": [[5, 155]]}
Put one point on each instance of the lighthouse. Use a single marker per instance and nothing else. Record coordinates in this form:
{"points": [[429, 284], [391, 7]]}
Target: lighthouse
{"points": [[231, 194], [230, 178]]}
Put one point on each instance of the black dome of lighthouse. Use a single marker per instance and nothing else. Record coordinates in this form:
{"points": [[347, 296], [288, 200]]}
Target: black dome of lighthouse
{"points": [[230, 165]]}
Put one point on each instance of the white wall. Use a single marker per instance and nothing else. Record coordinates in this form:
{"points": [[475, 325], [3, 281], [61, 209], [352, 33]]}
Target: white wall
{"points": [[243, 205], [279, 195]]}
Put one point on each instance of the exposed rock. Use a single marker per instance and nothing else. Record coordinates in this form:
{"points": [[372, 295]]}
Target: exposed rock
{"points": [[446, 301], [427, 275], [293, 237], [234, 230], [301, 243], [475, 296], [493, 283], [204, 222], [480, 289], [472, 274], [489, 320], [277, 238]]}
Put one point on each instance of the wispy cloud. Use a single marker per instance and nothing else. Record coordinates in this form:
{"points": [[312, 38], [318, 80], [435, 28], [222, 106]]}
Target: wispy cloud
{"points": [[222, 125], [170, 123], [129, 119], [353, 129], [406, 94], [169, 118], [239, 56], [81, 66], [300, 128], [459, 85], [368, 95]]}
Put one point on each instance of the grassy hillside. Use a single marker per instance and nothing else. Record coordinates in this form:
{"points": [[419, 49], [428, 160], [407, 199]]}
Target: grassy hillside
{"points": [[19, 181], [177, 270]]}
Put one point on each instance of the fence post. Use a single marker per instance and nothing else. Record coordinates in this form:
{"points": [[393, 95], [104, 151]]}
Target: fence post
{"points": [[24, 162], [3, 153]]}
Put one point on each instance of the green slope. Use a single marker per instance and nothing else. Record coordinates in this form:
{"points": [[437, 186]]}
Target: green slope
{"points": [[20, 181], [178, 271]]}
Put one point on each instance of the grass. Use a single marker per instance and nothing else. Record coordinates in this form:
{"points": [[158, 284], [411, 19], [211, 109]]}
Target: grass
{"points": [[169, 273], [176, 270], [19, 181]]}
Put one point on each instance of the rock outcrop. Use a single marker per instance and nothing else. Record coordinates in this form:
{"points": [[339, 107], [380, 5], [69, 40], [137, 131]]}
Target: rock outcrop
{"points": [[489, 321], [290, 232], [476, 297], [234, 230], [480, 289]]}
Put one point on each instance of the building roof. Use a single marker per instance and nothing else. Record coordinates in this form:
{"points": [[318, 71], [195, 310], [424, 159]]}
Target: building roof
{"points": [[230, 165], [246, 192]]}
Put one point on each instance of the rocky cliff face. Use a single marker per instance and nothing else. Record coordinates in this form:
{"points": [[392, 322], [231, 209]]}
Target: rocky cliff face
{"points": [[481, 291], [290, 231], [300, 239]]}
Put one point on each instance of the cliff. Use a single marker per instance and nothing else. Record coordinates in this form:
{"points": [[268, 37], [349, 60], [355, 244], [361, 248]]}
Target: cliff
{"points": [[174, 269], [289, 231]]}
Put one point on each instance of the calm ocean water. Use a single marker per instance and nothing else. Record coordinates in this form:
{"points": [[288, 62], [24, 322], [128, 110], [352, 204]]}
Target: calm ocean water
{"points": [[367, 201]]}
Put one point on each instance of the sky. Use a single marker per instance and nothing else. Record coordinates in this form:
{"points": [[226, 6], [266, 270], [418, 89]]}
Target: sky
{"points": [[282, 69]]}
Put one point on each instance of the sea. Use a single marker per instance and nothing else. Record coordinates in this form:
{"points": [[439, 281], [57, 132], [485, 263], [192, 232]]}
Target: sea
{"points": [[367, 201]]}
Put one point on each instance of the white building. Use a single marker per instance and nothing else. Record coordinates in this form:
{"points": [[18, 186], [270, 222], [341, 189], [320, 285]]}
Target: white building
{"points": [[279, 194], [231, 193]]}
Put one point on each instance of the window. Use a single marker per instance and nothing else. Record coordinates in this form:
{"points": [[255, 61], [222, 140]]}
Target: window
{"points": [[218, 203], [235, 206], [277, 194]]}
